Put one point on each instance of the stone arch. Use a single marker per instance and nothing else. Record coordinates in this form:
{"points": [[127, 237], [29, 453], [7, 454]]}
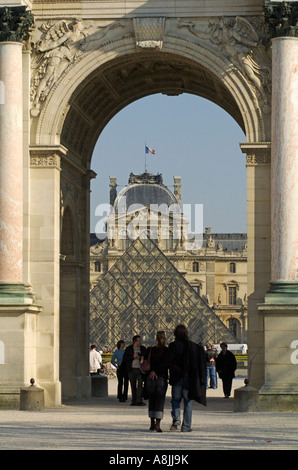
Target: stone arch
{"points": [[97, 83], [204, 36], [180, 67]]}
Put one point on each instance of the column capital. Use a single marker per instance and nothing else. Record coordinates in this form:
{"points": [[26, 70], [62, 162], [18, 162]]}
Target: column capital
{"points": [[15, 24], [281, 18], [46, 156], [257, 153]]}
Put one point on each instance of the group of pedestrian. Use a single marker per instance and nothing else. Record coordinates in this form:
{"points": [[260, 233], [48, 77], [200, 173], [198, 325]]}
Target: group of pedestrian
{"points": [[184, 365], [224, 364]]}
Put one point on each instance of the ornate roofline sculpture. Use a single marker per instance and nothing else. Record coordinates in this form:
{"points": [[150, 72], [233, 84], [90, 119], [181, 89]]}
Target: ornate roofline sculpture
{"points": [[145, 178]]}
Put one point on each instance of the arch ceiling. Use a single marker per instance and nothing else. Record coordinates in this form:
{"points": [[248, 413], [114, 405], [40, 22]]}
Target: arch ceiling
{"points": [[114, 85]]}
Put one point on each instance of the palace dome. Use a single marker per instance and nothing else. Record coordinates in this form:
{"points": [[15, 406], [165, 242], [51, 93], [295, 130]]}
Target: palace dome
{"points": [[144, 189]]}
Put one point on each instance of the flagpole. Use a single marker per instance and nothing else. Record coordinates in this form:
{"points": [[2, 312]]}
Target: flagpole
{"points": [[145, 159]]}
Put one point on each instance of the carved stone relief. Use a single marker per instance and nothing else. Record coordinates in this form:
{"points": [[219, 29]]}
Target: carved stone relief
{"points": [[56, 46], [52, 54], [244, 42], [257, 155], [45, 162], [258, 158], [149, 32]]}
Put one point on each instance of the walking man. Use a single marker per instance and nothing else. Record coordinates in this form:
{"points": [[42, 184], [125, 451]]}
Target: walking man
{"points": [[226, 365], [187, 377]]}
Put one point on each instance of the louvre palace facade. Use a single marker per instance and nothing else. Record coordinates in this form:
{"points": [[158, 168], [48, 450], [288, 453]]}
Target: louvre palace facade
{"points": [[213, 271]]}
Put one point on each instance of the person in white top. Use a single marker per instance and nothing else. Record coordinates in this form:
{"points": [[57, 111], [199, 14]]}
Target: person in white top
{"points": [[95, 360]]}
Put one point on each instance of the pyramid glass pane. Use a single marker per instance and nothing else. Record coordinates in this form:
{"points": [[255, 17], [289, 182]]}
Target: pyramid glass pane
{"points": [[142, 293]]}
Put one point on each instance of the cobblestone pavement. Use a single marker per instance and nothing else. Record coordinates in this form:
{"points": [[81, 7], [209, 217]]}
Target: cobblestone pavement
{"points": [[106, 424]]}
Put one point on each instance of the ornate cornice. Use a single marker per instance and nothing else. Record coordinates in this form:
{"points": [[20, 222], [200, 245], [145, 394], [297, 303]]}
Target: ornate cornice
{"points": [[258, 153], [99, 9], [15, 24], [282, 18], [46, 157]]}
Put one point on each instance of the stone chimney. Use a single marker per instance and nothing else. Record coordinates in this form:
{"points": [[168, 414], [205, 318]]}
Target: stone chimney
{"points": [[177, 188], [113, 189]]}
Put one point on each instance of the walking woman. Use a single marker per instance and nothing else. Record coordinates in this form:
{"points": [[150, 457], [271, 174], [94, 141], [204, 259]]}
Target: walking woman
{"points": [[157, 380]]}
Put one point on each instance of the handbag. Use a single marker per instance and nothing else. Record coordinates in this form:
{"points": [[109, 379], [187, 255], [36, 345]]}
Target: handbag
{"points": [[145, 365]]}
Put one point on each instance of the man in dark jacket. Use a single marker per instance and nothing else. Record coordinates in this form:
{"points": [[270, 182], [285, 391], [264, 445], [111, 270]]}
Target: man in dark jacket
{"points": [[187, 377], [225, 366], [132, 357]]}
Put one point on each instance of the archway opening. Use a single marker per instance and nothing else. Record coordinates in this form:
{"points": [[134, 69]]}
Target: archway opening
{"points": [[118, 87], [122, 81], [196, 139], [193, 138]]}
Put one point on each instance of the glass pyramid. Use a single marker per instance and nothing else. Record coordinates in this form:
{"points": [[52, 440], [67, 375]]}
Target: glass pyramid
{"points": [[142, 293]]}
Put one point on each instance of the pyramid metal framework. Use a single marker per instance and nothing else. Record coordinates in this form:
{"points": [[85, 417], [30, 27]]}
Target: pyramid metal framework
{"points": [[142, 293]]}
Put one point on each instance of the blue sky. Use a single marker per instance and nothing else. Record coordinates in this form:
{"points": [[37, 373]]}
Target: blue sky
{"points": [[193, 138]]}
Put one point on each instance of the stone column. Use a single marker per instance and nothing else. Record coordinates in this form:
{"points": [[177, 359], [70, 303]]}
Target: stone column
{"points": [[280, 309], [284, 168], [11, 163], [18, 315], [14, 31]]}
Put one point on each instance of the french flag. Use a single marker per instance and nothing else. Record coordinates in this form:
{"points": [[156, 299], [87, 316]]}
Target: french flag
{"points": [[149, 150]]}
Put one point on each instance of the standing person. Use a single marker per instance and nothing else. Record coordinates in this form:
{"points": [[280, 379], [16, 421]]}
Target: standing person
{"points": [[132, 357], [117, 361], [226, 365], [211, 356], [187, 376], [95, 360], [157, 380]]}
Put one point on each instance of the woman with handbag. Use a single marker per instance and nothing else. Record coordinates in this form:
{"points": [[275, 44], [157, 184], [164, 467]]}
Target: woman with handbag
{"points": [[157, 380]]}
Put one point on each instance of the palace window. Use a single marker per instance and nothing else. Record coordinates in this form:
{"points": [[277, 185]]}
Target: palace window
{"points": [[97, 266], [195, 267], [232, 267], [232, 295], [197, 289]]}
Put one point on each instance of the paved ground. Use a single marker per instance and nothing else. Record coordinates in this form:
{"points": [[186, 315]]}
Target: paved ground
{"points": [[106, 424]]}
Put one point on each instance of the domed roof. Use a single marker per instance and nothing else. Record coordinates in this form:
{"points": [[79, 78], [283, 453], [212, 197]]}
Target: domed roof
{"points": [[145, 189]]}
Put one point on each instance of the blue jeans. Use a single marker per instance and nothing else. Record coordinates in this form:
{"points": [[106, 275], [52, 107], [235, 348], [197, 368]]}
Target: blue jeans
{"points": [[211, 372], [179, 391], [156, 390]]}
